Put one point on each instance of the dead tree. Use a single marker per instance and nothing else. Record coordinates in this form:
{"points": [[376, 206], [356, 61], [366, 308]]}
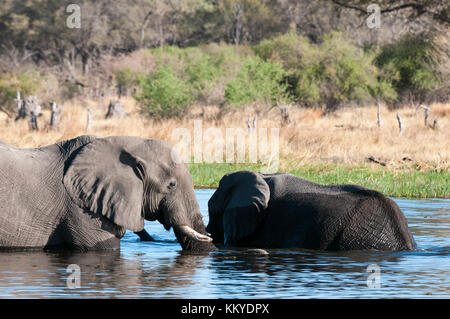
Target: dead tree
{"points": [[376, 160], [285, 119], [435, 123], [251, 125], [119, 91], [115, 109], [18, 102], [378, 115], [29, 109], [56, 114], [88, 123], [427, 113], [400, 123]]}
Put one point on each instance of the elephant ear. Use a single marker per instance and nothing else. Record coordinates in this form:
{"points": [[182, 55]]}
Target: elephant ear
{"points": [[104, 178], [241, 197]]}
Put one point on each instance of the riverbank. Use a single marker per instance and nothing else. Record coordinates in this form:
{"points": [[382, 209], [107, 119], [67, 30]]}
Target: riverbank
{"points": [[329, 148], [407, 183]]}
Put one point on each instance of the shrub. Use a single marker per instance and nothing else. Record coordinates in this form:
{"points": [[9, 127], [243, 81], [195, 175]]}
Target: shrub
{"points": [[201, 72], [411, 65], [163, 93], [127, 78], [330, 73], [28, 83], [257, 81], [287, 49], [335, 72]]}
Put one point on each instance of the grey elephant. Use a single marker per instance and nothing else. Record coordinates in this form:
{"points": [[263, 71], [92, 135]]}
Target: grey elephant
{"points": [[284, 211], [85, 192]]}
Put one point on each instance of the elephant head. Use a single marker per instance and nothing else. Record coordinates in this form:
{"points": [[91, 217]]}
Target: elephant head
{"points": [[236, 208], [129, 179]]}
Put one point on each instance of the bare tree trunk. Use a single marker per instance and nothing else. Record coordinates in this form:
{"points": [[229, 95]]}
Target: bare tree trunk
{"points": [[119, 91], [56, 114], [33, 122], [88, 124], [378, 115], [18, 102], [85, 63], [400, 124], [144, 26], [161, 34], [435, 123], [238, 26]]}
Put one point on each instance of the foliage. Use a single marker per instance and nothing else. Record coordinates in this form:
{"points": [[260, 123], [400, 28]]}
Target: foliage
{"points": [[398, 183], [217, 35], [27, 83], [127, 77], [287, 49], [411, 65], [330, 73], [163, 93], [257, 81], [336, 71]]}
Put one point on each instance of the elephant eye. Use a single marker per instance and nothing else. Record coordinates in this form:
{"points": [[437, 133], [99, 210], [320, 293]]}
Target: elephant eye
{"points": [[172, 184]]}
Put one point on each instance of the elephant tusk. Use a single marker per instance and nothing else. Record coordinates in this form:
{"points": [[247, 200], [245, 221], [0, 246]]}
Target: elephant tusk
{"points": [[189, 232]]}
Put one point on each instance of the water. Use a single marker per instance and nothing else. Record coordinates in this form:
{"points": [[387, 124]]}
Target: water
{"points": [[161, 270]]}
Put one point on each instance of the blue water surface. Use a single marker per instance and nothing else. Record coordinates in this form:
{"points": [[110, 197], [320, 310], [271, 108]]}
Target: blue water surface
{"points": [[162, 270]]}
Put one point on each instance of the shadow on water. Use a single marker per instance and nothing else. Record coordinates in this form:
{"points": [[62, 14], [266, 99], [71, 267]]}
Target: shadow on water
{"points": [[160, 269]]}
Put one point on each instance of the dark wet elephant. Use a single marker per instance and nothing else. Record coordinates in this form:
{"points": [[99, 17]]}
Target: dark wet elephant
{"points": [[84, 193], [283, 211]]}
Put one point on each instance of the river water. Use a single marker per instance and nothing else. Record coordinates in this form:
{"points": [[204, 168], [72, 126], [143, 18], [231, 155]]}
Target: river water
{"points": [[161, 270]]}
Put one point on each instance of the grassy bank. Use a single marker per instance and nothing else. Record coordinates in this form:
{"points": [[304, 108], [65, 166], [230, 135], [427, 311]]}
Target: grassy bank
{"points": [[326, 148], [396, 183]]}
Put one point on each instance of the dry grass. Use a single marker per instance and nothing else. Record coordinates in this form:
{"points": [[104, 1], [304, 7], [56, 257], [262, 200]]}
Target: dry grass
{"points": [[348, 136]]}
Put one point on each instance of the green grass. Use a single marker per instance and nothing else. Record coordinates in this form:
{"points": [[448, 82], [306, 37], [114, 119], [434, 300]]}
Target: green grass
{"points": [[408, 183]]}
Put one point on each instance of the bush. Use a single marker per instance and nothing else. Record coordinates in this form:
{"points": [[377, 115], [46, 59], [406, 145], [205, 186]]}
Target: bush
{"points": [[223, 63], [127, 78], [163, 93], [411, 66], [287, 49], [28, 83], [335, 72], [330, 73], [257, 81], [201, 72]]}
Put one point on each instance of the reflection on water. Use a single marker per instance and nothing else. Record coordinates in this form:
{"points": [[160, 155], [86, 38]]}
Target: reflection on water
{"points": [[161, 270]]}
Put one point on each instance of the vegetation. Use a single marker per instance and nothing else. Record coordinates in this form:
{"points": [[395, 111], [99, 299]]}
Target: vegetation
{"points": [[330, 73], [28, 83], [411, 66], [213, 51], [397, 183], [331, 148], [226, 61], [257, 81], [163, 93]]}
